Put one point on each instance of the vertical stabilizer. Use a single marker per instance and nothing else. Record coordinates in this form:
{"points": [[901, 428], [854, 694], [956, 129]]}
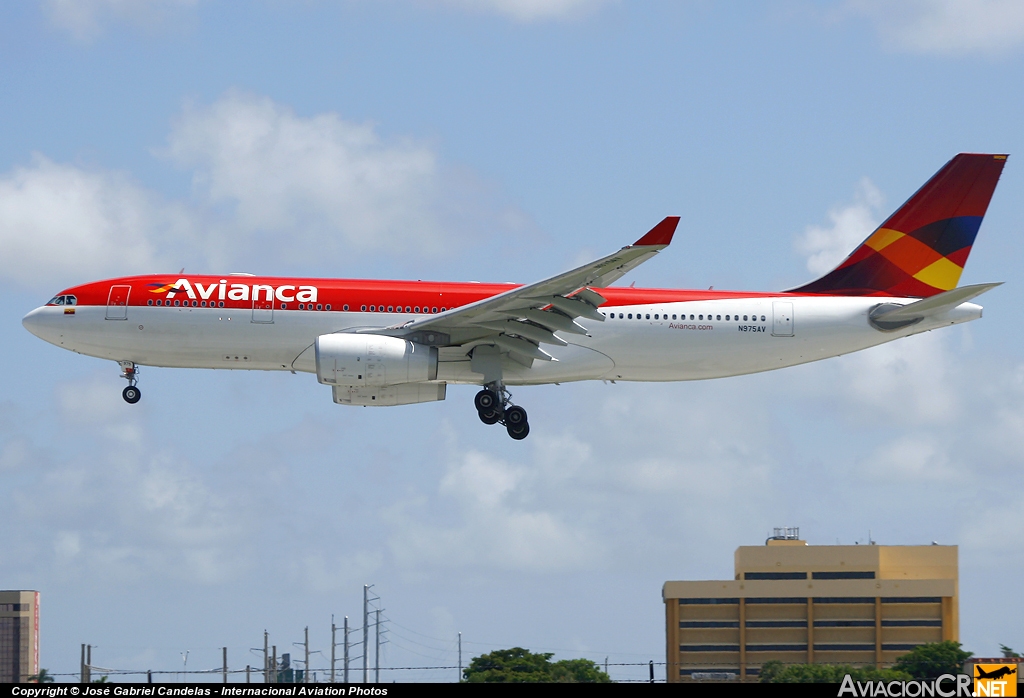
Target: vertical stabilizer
{"points": [[920, 250]]}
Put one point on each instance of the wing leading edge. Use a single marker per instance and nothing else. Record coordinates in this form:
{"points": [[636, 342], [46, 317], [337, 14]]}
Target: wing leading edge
{"points": [[520, 320]]}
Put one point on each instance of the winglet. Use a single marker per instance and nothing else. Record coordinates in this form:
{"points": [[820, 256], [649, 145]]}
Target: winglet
{"points": [[660, 234]]}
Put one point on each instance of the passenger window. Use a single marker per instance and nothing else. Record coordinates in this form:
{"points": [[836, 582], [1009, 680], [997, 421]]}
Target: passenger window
{"points": [[648, 316], [433, 310], [362, 308], [620, 316], [630, 317], [391, 308], [719, 317], [762, 318], [442, 310], [701, 317], [673, 316], [221, 304]]}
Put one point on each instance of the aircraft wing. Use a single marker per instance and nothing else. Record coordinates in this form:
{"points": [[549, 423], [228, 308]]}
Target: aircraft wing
{"points": [[521, 319]]}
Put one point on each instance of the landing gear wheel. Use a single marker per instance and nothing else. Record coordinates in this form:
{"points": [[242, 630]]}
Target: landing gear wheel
{"points": [[518, 431], [131, 394], [514, 416], [490, 417], [486, 400]]}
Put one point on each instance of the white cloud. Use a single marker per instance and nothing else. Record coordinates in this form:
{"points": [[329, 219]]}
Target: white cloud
{"points": [[945, 26], [499, 527], [85, 19], [271, 187], [530, 10], [910, 381], [327, 184], [826, 247], [61, 222]]}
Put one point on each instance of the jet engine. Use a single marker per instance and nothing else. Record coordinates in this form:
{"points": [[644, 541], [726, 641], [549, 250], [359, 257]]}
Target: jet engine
{"points": [[358, 360]]}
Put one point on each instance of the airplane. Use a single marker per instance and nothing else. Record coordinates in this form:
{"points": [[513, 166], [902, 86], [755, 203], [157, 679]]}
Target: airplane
{"points": [[387, 343]]}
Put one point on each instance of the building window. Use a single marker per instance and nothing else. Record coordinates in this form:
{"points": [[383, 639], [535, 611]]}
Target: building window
{"points": [[775, 575], [843, 575], [844, 624], [843, 599], [911, 599], [794, 647], [712, 648], [709, 624], [709, 602], [914, 623]]}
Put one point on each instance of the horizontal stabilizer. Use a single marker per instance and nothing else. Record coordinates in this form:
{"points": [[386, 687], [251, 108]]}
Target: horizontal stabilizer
{"points": [[891, 317]]}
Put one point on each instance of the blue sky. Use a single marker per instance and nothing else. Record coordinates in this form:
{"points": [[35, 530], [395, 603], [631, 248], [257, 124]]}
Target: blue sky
{"points": [[495, 140]]}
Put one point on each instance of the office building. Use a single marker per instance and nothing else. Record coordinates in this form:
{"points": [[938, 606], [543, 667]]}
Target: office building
{"points": [[19, 635], [864, 605]]}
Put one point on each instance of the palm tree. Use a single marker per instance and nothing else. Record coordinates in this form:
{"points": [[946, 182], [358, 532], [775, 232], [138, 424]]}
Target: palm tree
{"points": [[42, 677]]}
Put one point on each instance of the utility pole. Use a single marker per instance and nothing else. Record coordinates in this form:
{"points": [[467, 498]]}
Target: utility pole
{"points": [[346, 650], [248, 671], [305, 674], [366, 631], [88, 663], [273, 665], [266, 658], [460, 657], [225, 664], [334, 630], [376, 653]]}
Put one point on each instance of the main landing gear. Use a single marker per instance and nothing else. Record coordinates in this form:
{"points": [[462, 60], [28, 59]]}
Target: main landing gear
{"points": [[130, 371], [494, 406]]}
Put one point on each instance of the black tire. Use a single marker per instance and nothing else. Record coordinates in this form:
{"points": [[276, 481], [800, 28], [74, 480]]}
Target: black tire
{"points": [[131, 394], [514, 416], [519, 431], [490, 416], [485, 400]]}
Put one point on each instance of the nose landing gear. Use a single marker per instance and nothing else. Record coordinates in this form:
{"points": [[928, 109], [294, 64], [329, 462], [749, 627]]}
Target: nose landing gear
{"points": [[130, 372], [493, 405]]}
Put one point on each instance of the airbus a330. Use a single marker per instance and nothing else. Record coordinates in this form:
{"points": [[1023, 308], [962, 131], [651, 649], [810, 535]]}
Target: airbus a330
{"points": [[386, 343]]}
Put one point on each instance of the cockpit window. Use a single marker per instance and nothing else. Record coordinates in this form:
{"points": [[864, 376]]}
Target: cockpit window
{"points": [[63, 300]]}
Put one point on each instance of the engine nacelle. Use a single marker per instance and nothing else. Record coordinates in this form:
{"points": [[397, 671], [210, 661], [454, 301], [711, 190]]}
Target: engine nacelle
{"points": [[358, 360]]}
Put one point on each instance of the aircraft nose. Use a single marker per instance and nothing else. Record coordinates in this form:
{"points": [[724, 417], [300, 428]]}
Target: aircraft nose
{"points": [[35, 322]]}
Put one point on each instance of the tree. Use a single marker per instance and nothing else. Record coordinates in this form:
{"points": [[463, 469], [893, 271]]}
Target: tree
{"points": [[42, 677], [777, 672], [1008, 652], [933, 660], [518, 665]]}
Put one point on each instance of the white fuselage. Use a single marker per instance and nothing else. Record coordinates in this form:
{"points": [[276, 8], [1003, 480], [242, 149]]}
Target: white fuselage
{"points": [[794, 330]]}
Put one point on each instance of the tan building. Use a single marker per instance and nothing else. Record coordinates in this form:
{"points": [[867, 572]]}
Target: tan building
{"points": [[798, 603], [19, 635]]}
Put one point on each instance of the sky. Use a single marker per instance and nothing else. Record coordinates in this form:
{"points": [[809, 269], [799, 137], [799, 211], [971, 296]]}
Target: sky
{"points": [[492, 140]]}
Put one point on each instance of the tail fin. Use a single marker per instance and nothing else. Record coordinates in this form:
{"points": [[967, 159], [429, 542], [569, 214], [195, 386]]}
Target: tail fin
{"points": [[921, 249]]}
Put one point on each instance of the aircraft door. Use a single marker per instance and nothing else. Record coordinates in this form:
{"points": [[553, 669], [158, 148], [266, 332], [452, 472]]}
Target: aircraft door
{"points": [[782, 319], [117, 302], [262, 308]]}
